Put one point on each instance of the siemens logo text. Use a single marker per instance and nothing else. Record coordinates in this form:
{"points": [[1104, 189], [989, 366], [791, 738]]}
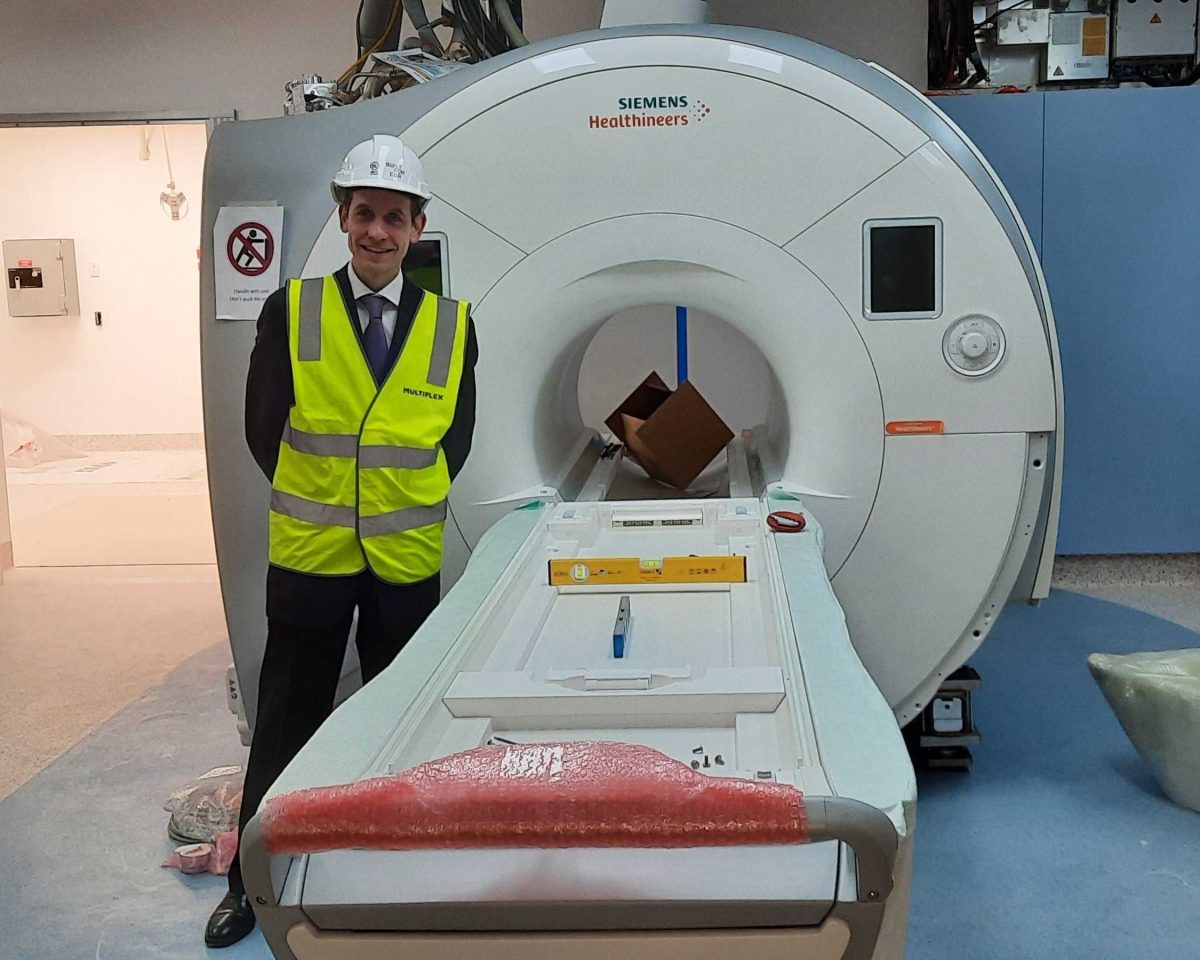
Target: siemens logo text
{"points": [[652, 103]]}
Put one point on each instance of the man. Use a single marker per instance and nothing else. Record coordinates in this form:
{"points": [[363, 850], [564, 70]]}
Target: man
{"points": [[360, 404]]}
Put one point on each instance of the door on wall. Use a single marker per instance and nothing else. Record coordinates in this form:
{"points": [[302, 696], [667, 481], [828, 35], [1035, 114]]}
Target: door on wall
{"points": [[100, 387]]}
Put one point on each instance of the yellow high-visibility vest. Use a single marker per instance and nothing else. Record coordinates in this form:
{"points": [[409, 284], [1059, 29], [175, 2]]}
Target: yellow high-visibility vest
{"points": [[362, 479]]}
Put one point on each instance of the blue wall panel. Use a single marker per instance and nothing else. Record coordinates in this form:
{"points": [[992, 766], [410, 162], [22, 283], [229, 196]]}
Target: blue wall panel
{"points": [[1108, 181], [1121, 213], [1008, 131]]}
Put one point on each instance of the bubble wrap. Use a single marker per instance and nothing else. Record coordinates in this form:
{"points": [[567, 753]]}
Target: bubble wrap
{"points": [[575, 794]]}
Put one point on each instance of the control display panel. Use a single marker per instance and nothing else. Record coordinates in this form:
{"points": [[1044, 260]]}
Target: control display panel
{"points": [[902, 267]]}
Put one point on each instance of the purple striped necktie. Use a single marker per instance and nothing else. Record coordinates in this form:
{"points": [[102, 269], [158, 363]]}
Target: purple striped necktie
{"points": [[375, 337]]}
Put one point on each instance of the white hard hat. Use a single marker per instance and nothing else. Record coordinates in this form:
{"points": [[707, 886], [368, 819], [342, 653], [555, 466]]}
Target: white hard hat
{"points": [[385, 163]]}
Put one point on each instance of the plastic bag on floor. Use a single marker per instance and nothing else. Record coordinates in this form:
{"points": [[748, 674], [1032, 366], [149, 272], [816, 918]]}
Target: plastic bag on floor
{"points": [[26, 444], [206, 807], [205, 857], [1156, 697]]}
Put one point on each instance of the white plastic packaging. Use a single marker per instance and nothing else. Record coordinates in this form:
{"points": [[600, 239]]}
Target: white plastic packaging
{"points": [[1156, 697], [206, 807]]}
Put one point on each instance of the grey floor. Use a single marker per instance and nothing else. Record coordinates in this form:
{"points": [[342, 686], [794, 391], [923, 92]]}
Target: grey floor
{"points": [[1057, 844], [78, 644], [112, 508], [115, 586]]}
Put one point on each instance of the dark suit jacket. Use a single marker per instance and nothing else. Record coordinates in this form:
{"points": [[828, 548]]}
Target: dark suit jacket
{"points": [[270, 396]]}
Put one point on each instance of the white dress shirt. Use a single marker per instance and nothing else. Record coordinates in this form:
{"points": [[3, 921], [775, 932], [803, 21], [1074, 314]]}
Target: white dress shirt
{"points": [[390, 294]]}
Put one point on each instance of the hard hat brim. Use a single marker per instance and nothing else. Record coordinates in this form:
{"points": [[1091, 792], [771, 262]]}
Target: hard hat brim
{"points": [[338, 186]]}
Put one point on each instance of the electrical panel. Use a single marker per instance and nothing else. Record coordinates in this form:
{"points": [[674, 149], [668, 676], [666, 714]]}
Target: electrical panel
{"points": [[1046, 41], [1078, 48], [40, 278], [1150, 29]]}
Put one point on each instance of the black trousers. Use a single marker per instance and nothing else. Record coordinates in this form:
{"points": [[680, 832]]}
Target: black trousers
{"points": [[308, 625]]}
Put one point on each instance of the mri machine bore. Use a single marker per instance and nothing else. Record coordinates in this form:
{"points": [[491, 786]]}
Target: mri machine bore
{"points": [[849, 231]]}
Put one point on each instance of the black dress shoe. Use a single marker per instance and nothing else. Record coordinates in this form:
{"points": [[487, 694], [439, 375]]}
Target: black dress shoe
{"points": [[231, 921]]}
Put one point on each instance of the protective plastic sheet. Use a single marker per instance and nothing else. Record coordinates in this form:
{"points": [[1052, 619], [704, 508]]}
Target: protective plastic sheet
{"points": [[1156, 697], [862, 750], [537, 795], [26, 444]]}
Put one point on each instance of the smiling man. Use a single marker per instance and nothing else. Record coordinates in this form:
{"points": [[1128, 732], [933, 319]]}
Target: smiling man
{"points": [[360, 405]]}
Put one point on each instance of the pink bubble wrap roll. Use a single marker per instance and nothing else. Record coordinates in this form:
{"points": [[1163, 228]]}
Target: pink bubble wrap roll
{"points": [[574, 794]]}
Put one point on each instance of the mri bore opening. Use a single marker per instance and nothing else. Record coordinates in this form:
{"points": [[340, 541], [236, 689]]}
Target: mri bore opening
{"points": [[727, 369]]}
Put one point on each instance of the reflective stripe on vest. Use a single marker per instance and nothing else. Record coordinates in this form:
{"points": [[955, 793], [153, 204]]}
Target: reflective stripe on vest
{"points": [[362, 478], [401, 521], [443, 342], [309, 347], [312, 512], [346, 445]]}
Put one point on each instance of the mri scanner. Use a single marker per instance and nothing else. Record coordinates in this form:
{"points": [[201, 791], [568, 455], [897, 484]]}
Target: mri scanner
{"points": [[851, 232]]}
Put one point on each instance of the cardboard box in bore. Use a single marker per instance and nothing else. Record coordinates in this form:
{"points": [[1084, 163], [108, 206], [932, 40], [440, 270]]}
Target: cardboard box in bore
{"points": [[673, 434]]}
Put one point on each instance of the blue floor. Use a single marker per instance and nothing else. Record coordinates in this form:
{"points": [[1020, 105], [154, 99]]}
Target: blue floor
{"points": [[1058, 844]]}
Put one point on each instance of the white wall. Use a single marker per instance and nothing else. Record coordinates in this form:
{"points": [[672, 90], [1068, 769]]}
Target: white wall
{"points": [[139, 372], [222, 55], [206, 58]]}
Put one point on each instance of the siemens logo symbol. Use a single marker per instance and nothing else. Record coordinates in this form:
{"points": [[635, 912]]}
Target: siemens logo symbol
{"points": [[652, 103], [424, 393]]}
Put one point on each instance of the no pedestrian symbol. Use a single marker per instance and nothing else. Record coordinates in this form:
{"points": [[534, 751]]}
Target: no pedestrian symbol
{"points": [[250, 249]]}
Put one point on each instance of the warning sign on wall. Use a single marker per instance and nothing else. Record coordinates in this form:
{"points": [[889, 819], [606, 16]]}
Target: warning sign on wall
{"points": [[251, 248], [246, 245]]}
